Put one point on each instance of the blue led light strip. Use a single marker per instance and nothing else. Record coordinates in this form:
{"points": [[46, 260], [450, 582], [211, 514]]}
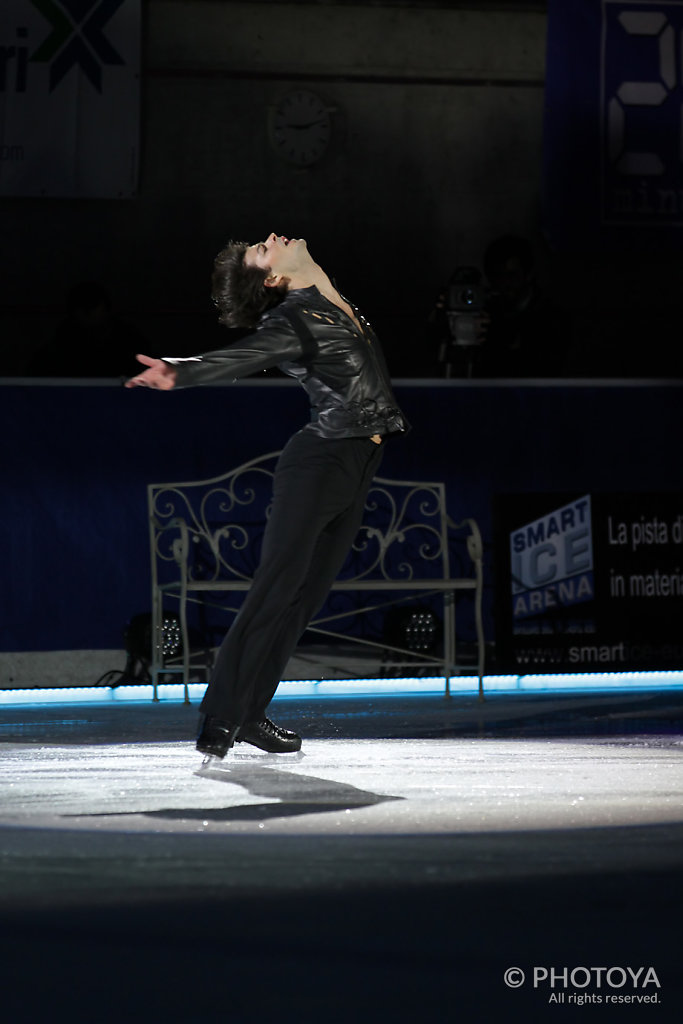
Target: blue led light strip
{"points": [[423, 686]]}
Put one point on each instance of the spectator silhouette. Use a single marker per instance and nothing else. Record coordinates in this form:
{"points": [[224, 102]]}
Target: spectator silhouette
{"points": [[527, 335], [91, 341]]}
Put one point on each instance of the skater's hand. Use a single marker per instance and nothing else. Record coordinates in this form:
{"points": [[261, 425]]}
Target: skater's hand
{"points": [[157, 375]]}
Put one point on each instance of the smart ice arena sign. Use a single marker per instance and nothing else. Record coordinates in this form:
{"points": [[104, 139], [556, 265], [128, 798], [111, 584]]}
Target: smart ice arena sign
{"points": [[69, 97], [592, 582]]}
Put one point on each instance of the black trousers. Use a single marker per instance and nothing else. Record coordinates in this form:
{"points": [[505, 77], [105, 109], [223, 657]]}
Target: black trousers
{"points": [[319, 491]]}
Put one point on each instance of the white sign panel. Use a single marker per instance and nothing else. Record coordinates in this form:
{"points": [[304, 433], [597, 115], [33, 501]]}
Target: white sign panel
{"points": [[69, 97], [552, 560]]}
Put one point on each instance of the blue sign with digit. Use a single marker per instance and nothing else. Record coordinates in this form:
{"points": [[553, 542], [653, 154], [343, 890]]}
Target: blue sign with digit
{"points": [[613, 132], [642, 113]]}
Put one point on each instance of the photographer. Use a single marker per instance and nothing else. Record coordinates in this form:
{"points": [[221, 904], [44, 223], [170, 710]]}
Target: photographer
{"points": [[457, 324], [509, 329]]}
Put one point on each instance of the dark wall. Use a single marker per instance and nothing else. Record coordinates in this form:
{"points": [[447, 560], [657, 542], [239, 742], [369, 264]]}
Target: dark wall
{"points": [[436, 145], [436, 148], [77, 459]]}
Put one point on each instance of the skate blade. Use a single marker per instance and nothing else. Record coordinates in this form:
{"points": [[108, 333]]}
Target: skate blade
{"points": [[211, 761]]}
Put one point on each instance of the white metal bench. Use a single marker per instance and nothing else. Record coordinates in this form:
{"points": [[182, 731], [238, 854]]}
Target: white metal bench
{"points": [[205, 538]]}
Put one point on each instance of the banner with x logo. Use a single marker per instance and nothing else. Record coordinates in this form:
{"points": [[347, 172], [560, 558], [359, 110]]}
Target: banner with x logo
{"points": [[69, 97]]}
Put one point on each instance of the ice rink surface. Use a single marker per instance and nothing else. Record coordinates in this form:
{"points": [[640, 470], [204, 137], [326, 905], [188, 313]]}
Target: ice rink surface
{"points": [[394, 869]]}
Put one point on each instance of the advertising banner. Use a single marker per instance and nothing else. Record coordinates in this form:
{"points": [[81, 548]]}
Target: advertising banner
{"points": [[613, 128], [589, 583], [69, 97]]}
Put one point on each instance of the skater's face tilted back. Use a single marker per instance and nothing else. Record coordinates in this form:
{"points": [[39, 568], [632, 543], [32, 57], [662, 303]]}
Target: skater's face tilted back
{"points": [[287, 261], [249, 279]]}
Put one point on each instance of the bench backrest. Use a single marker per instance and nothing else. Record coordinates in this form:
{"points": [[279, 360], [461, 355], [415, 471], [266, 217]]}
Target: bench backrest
{"points": [[214, 528]]}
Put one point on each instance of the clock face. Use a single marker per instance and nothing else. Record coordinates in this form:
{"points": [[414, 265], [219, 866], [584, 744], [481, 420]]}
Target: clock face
{"points": [[300, 128]]}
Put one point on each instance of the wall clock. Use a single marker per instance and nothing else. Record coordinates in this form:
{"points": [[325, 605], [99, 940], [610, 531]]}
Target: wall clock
{"points": [[300, 127]]}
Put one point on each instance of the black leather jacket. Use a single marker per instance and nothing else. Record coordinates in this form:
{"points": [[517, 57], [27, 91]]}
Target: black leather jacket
{"points": [[311, 339]]}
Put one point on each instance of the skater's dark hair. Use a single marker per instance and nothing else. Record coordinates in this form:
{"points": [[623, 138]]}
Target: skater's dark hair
{"points": [[238, 291]]}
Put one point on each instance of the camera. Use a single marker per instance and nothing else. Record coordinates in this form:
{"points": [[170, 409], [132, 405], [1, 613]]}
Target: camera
{"points": [[465, 305]]}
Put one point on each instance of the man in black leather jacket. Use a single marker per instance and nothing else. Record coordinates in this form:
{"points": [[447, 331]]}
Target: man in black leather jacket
{"points": [[303, 325]]}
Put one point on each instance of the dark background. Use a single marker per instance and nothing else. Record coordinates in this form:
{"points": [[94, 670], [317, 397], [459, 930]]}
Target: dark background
{"points": [[450, 123], [441, 112]]}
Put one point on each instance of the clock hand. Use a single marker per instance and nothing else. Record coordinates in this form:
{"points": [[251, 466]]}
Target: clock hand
{"points": [[303, 127]]}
